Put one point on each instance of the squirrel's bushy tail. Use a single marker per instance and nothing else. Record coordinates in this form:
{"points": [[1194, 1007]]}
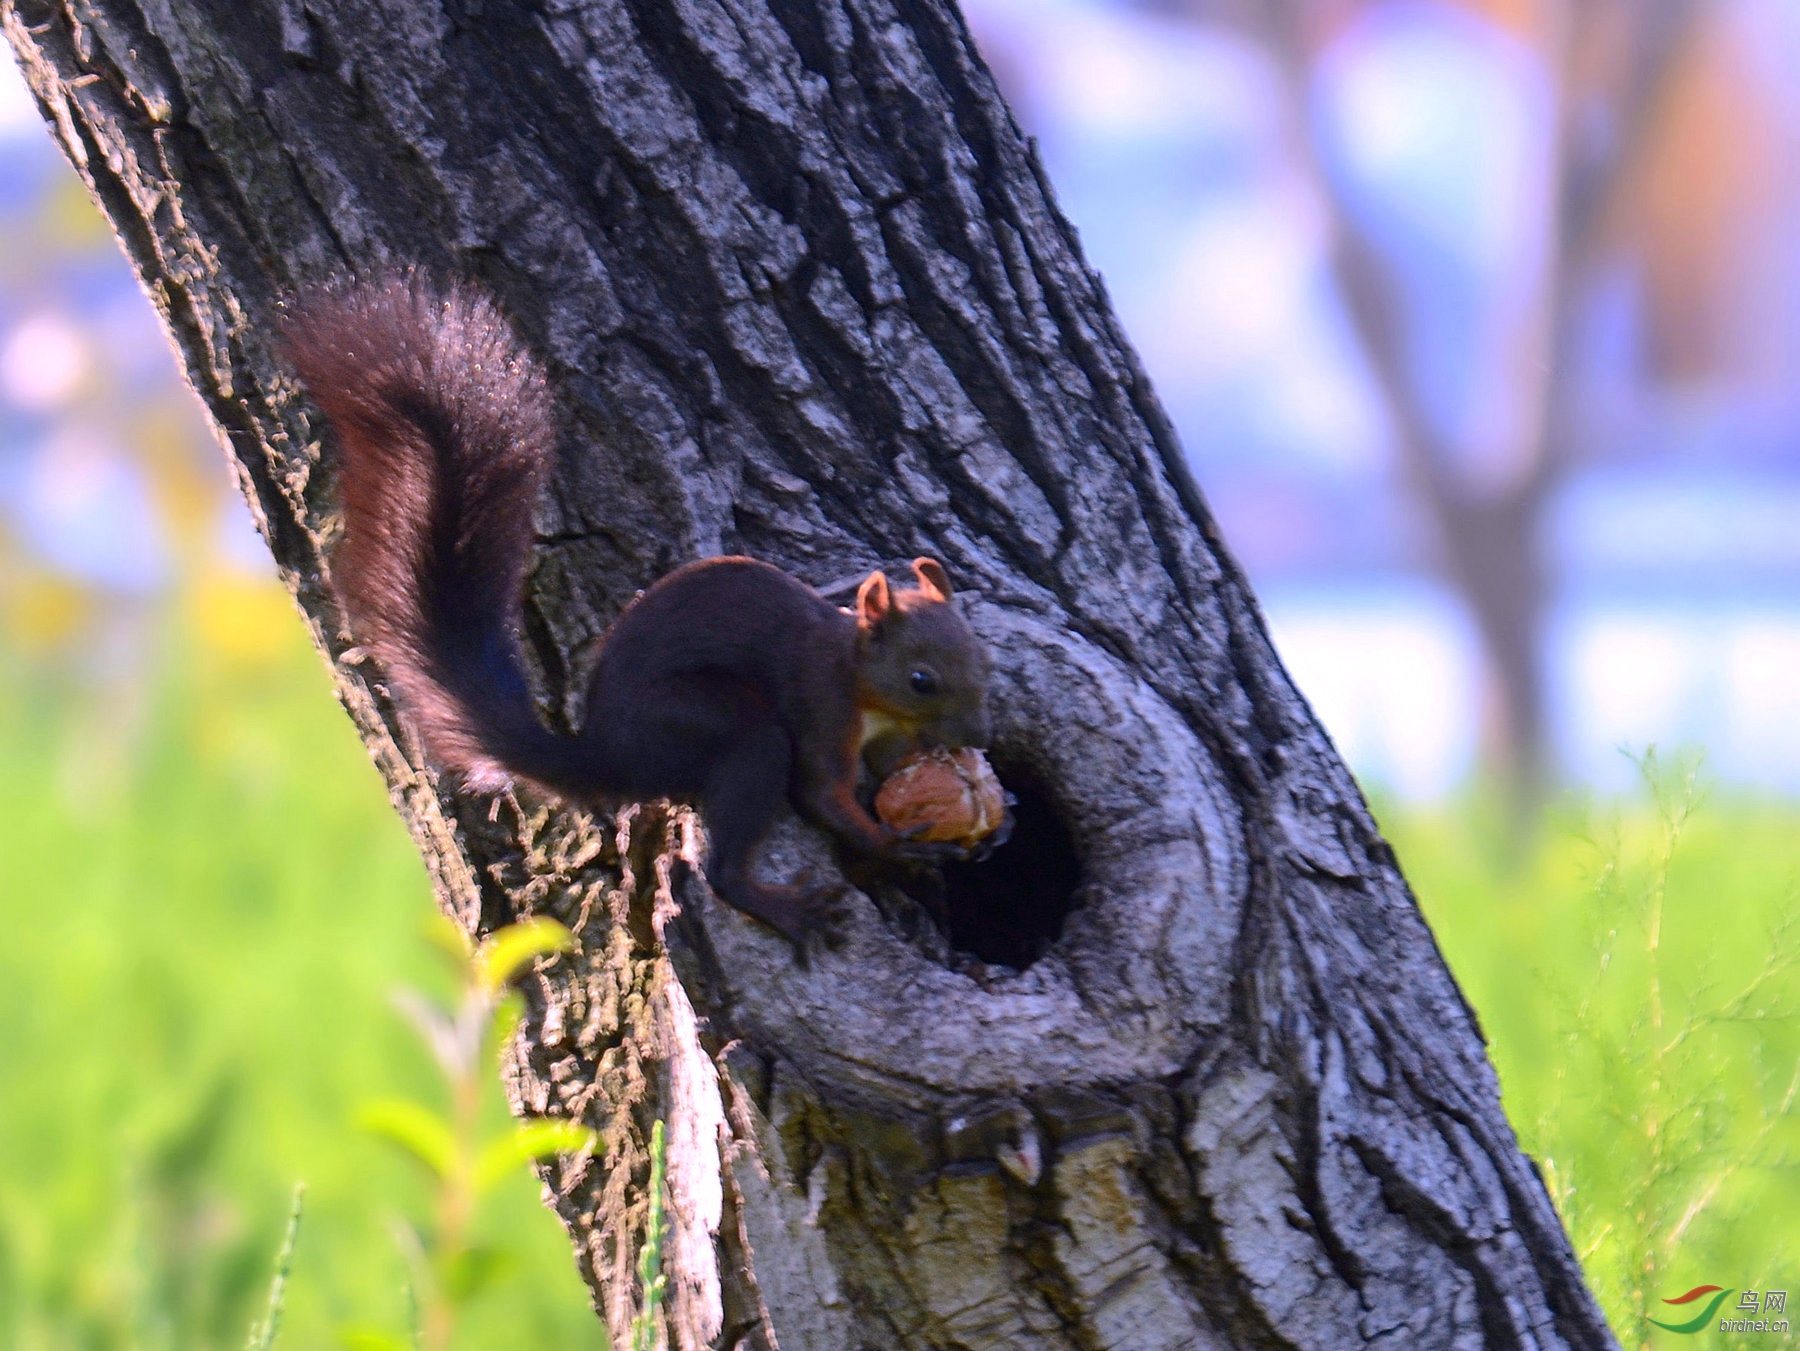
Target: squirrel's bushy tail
{"points": [[445, 433]]}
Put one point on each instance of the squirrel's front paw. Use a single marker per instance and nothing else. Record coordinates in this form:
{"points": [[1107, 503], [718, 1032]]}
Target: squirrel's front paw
{"points": [[903, 847], [983, 848]]}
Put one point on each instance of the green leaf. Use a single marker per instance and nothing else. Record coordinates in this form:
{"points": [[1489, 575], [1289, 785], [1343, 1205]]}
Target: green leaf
{"points": [[507, 1012], [417, 1130], [508, 951], [450, 945], [449, 940], [371, 1339], [533, 1140]]}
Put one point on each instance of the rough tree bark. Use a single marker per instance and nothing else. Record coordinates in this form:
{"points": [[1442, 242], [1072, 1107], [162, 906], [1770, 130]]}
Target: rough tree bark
{"points": [[1188, 1070]]}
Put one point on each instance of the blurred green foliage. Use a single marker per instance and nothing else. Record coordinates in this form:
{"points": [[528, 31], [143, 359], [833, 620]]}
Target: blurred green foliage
{"points": [[207, 904], [1637, 975], [465, 1162]]}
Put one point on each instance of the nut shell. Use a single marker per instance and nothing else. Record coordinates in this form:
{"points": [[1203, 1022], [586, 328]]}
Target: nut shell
{"points": [[939, 796]]}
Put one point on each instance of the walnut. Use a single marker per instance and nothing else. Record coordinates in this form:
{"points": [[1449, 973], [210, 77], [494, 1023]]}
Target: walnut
{"points": [[943, 797]]}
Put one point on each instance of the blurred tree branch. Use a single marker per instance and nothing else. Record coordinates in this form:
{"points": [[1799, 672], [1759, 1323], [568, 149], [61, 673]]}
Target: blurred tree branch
{"points": [[1486, 529]]}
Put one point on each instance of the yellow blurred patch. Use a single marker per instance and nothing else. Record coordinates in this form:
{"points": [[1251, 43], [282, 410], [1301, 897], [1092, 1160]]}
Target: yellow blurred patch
{"points": [[72, 219], [44, 611], [185, 473], [248, 620]]}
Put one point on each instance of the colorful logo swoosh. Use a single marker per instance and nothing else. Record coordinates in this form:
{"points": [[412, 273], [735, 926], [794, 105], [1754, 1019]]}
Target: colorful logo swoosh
{"points": [[1705, 1316], [1694, 1294]]}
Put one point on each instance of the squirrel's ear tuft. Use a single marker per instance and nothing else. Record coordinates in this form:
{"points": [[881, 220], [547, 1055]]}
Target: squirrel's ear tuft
{"points": [[933, 580], [873, 600]]}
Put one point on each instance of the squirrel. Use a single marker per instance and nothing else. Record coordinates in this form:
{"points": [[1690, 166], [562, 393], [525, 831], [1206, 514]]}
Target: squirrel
{"points": [[728, 683]]}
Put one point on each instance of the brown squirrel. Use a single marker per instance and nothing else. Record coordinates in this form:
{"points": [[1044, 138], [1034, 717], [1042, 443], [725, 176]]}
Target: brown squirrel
{"points": [[728, 683]]}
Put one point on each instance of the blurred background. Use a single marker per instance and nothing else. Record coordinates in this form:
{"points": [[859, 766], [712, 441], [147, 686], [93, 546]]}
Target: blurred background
{"points": [[1480, 322]]}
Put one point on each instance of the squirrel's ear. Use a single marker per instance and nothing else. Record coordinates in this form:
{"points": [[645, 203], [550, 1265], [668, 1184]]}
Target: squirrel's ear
{"points": [[933, 580], [873, 600]]}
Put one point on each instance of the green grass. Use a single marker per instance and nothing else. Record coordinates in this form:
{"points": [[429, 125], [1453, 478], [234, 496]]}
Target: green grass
{"points": [[1638, 979], [206, 902]]}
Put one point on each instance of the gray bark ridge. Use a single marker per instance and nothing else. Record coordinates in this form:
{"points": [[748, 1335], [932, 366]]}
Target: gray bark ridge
{"points": [[804, 293]]}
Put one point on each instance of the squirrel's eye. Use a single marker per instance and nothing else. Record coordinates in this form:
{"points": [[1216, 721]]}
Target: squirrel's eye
{"points": [[923, 682]]}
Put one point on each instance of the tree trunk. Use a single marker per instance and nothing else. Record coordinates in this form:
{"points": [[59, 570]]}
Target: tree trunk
{"points": [[1188, 1070]]}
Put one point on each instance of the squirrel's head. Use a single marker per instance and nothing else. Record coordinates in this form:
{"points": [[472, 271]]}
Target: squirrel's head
{"points": [[922, 674]]}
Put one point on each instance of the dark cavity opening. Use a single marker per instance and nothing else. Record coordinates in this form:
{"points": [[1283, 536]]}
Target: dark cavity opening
{"points": [[1009, 908]]}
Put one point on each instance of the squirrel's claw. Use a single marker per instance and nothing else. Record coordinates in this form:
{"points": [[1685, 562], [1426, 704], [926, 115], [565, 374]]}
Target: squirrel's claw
{"points": [[906, 847], [984, 848]]}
